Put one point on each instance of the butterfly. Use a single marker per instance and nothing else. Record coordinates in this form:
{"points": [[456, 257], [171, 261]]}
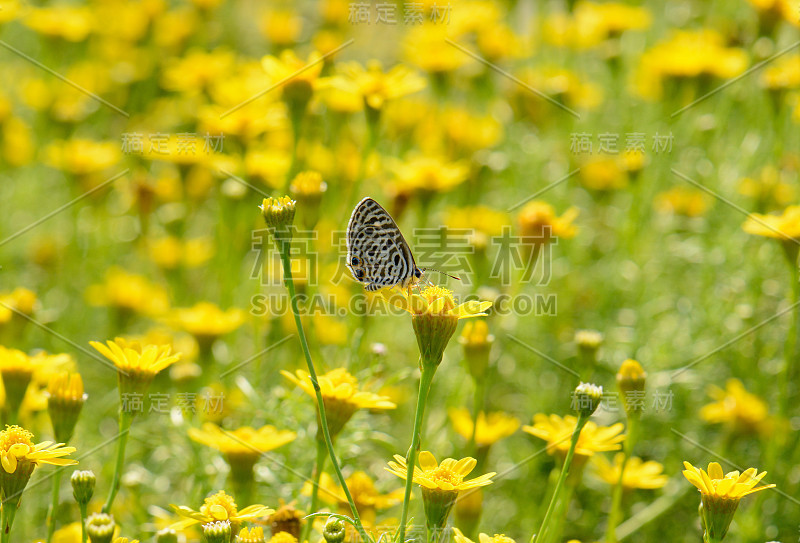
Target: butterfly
{"points": [[377, 252]]}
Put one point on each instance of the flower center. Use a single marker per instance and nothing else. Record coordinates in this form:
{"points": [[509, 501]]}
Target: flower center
{"points": [[14, 435], [220, 506], [444, 475]]}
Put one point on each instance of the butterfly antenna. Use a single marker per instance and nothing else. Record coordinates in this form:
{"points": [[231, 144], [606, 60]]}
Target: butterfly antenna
{"points": [[443, 273]]}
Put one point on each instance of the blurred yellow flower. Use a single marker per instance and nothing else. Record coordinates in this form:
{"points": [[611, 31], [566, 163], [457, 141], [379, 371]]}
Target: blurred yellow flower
{"points": [[374, 85], [19, 300], [128, 292], [206, 321], [560, 84], [340, 394], [82, 156], [638, 474], [686, 201], [737, 408], [171, 252], [196, 70], [270, 165], [425, 47], [17, 142], [9, 10], [685, 54], [485, 131], [244, 441], [785, 226], [771, 187], [538, 220], [243, 446], [72, 23], [293, 71], [603, 173], [486, 220], [281, 27], [219, 506], [492, 426], [777, 9], [591, 23], [362, 489], [557, 431], [783, 73], [426, 174]]}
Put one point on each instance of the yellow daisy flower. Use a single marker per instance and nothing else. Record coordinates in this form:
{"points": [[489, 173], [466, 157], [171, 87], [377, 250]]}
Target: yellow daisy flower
{"points": [[17, 449], [447, 476], [435, 300], [434, 317], [720, 494], [440, 483], [732, 486], [638, 474], [137, 364], [482, 538], [557, 431], [219, 506], [340, 394], [491, 427]]}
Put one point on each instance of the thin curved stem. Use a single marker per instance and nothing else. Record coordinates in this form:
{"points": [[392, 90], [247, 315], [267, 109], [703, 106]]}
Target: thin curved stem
{"points": [[318, 466], [125, 419], [541, 536], [284, 246], [616, 496], [51, 517], [425, 380]]}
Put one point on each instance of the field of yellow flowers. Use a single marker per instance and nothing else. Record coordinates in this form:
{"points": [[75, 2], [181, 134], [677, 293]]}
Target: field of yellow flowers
{"points": [[605, 193]]}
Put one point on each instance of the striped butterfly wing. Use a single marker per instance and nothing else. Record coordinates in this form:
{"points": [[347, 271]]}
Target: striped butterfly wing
{"points": [[377, 253]]}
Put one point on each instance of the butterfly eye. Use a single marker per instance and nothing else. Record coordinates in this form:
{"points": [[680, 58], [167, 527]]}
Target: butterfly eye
{"points": [[417, 273], [355, 261]]}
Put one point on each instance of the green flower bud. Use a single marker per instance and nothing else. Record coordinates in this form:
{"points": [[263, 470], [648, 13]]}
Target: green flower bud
{"points": [[83, 485], [587, 398], [334, 530], [100, 527]]}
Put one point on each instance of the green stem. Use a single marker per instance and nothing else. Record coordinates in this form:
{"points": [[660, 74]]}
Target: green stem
{"points": [[125, 419], [51, 517], [548, 517], [616, 496], [792, 340], [425, 380], [320, 464], [7, 513], [653, 511], [477, 408], [284, 246], [83, 507]]}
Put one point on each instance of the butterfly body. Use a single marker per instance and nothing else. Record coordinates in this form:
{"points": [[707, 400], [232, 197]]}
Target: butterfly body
{"points": [[377, 253]]}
